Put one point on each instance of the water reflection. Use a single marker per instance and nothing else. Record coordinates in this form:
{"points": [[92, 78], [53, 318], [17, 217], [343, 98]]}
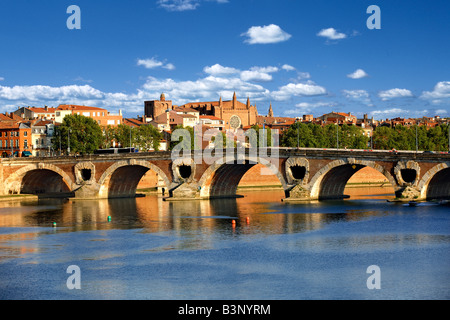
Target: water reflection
{"points": [[258, 212]]}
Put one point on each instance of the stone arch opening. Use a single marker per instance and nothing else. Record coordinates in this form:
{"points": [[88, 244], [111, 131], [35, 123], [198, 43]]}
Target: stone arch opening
{"points": [[222, 179], [123, 182], [298, 172], [123, 179], [334, 182], [331, 181], [408, 175], [43, 182], [86, 174], [439, 186], [185, 171]]}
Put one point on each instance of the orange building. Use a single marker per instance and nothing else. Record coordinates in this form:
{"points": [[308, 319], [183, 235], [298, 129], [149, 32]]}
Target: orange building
{"points": [[101, 116], [15, 139]]}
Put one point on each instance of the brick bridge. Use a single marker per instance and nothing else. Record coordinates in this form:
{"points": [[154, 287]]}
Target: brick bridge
{"points": [[305, 174]]}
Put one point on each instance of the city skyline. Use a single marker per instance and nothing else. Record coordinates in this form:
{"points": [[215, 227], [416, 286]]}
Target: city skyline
{"points": [[304, 58]]}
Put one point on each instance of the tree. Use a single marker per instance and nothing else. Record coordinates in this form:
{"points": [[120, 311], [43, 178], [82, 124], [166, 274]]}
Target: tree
{"points": [[82, 134], [146, 137]]}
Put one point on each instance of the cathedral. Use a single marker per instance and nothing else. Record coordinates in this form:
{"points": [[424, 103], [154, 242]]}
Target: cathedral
{"points": [[234, 113]]}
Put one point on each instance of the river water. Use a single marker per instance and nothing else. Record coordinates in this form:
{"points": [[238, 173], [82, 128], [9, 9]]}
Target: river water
{"points": [[255, 247]]}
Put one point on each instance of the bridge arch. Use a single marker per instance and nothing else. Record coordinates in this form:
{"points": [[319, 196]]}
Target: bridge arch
{"points": [[435, 183], [40, 178], [222, 178], [330, 181], [122, 178]]}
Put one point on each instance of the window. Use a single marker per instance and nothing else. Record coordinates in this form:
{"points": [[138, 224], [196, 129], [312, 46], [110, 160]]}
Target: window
{"points": [[17, 144], [25, 144], [25, 133], [58, 113], [6, 144], [37, 142], [1, 144]]}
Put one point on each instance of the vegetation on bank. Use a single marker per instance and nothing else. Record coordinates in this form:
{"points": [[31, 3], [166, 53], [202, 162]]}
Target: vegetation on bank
{"points": [[352, 137]]}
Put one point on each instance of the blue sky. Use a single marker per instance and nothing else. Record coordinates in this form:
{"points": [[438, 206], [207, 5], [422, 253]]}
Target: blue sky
{"points": [[305, 57]]}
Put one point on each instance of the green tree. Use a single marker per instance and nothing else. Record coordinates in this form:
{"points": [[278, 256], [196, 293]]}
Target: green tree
{"points": [[257, 134], [82, 134], [146, 137]]}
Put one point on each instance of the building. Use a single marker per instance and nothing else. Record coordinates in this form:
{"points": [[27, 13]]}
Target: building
{"points": [[15, 138], [234, 113], [41, 135], [101, 116], [338, 117], [212, 122], [29, 113]]}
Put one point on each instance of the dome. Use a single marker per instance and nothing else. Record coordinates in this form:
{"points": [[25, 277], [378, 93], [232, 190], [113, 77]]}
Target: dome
{"points": [[163, 97]]}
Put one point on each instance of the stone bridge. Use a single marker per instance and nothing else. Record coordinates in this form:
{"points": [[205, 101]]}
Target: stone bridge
{"points": [[305, 174]]}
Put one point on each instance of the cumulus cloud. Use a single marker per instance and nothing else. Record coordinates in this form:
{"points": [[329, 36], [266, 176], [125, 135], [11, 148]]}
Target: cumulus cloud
{"points": [[258, 74], [395, 93], [287, 67], [152, 63], [208, 88], [39, 92], [331, 34], [358, 74], [298, 89], [217, 69], [184, 5], [358, 95], [441, 91], [179, 5], [265, 34]]}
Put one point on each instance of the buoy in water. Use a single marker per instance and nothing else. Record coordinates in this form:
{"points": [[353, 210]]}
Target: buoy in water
{"points": [[109, 218], [54, 224]]}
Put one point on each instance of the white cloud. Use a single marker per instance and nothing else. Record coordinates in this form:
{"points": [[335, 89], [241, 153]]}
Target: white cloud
{"points": [[358, 74], [395, 93], [39, 92], [441, 91], [358, 95], [2, 79], [331, 34], [153, 63], [388, 113], [298, 89], [303, 75], [249, 75], [258, 74], [217, 69], [441, 111], [287, 67], [179, 5], [209, 88], [266, 34], [184, 5]]}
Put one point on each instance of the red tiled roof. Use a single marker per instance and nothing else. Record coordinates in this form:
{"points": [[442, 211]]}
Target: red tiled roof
{"points": [[210, 117], [42, 110], [75, 107]]}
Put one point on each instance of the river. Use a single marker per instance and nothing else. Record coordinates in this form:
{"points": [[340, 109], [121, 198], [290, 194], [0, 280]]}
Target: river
{"points": [[255, 247]]}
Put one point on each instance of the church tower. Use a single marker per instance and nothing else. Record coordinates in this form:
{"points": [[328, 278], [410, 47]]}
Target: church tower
{"points": [[270, 114]]}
